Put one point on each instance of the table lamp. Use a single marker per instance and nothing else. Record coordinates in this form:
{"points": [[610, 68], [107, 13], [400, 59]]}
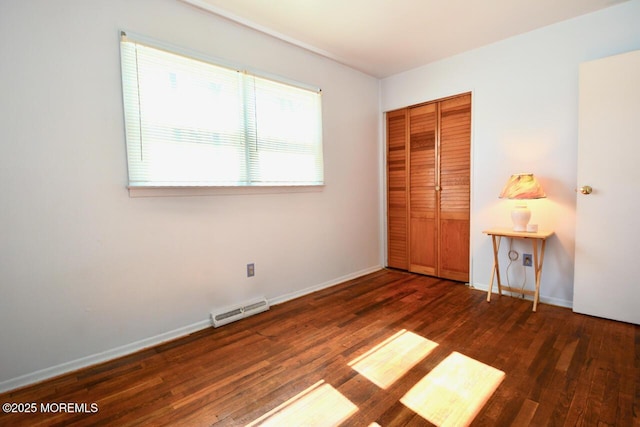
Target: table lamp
{"points": [[522, 187]]}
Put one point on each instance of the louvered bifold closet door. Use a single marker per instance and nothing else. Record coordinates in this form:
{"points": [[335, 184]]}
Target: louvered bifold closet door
{"points": [[422, 189], [428, 188], [397, 123], [455, 164]]}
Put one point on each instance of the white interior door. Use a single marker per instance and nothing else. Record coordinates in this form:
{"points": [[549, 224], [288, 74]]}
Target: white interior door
{"points": [[607, 261]]}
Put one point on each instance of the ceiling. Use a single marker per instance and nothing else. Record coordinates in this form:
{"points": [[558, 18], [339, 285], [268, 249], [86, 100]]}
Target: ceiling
{"points": [[386, 37]]}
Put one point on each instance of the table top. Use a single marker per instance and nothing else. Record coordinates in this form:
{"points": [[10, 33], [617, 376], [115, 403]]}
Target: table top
{"points": [[508, 232]]}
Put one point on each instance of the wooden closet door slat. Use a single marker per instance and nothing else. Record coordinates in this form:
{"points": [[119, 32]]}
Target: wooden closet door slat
{"points": [[455, 181], [397, 256], [422, 189]]}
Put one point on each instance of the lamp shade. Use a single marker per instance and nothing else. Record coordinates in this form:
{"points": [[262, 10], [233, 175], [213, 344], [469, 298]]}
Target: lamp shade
{"points": [[522, 186]]}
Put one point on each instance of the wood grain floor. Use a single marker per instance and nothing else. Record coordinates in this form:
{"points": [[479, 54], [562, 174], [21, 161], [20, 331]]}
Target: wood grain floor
{"points": [[560, 368]]}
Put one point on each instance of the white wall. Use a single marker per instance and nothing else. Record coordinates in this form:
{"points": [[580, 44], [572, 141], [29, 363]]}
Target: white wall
{"points": [[525, 119], [86, 272]]}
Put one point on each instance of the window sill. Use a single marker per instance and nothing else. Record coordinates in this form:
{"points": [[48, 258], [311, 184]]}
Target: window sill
{"points": [[203, 190]]}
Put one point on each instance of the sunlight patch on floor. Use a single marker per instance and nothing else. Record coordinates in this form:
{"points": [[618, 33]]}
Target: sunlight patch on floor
{"points": [[454, 392], [394, 357], [318, 405]]}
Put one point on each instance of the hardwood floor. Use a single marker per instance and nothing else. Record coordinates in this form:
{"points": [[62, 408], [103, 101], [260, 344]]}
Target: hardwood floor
{"points": [[559, 368]]}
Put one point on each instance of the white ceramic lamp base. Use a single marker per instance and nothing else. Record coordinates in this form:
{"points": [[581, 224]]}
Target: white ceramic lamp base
{"points": [[520, 215]]}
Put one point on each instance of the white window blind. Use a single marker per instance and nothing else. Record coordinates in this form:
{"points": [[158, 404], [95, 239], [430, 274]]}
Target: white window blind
{"points": [[190, 122]]}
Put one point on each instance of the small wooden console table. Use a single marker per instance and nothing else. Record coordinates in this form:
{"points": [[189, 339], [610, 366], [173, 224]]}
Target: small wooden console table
{"points": [[538, 239]]}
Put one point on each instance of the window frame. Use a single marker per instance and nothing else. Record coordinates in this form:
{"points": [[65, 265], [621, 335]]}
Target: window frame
{"points": [[180, 188]]}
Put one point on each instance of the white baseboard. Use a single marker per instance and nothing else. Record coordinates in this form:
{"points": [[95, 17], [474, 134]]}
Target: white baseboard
{"points": [[333, 282], [546, 300], [104, 356], [83, 362]]}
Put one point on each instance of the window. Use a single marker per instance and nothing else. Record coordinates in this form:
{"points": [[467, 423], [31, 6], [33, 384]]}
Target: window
{"points": [[190, 122]]}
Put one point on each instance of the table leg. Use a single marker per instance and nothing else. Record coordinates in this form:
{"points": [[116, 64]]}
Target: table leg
{"points": [[495, 240], [537, 261]]}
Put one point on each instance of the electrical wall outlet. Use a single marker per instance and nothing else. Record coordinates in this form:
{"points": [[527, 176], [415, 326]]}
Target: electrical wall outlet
{"points": [[251, 270], [527, 260]]}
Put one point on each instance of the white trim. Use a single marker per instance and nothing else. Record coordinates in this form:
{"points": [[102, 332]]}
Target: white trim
{"points": [[158, 191], [83, 362], [383, 181], [546, 300], [472, 181], [328, 284]]}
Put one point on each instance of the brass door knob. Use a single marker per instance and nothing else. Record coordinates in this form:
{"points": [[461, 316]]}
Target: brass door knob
{"points": [[586, 189]]}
